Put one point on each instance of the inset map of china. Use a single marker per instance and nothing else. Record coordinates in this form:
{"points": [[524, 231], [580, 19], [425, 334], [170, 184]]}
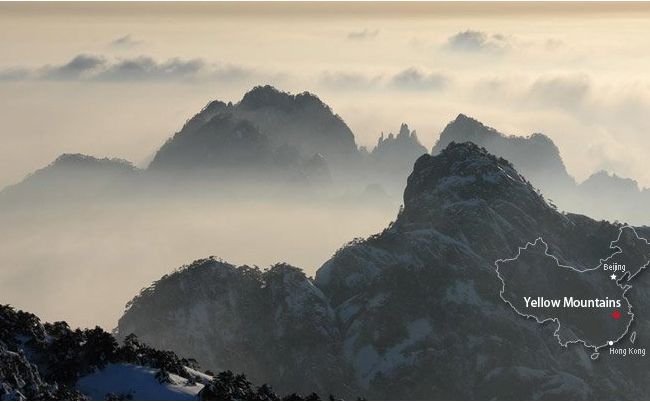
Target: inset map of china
{"points": [[589, 306]]}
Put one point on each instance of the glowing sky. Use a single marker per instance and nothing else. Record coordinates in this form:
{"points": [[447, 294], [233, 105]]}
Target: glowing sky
{"points": [[117, 79]]}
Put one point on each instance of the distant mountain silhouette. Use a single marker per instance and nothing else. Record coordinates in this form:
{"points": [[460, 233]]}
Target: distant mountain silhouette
{"points": [[614, 197], [603, 180], [222, 142], [274, 142], [317, 170], [51, 361], [601, 195], [73, 177], [260, 130], [536, 156], [392, 158], [302, 121]]}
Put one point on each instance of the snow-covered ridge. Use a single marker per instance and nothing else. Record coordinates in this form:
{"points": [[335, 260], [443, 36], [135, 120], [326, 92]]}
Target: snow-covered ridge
{"points": [[272, 324], [410, 313], [43, 361]]}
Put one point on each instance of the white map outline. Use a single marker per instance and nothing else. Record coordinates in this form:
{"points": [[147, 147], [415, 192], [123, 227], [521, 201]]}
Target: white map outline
{"points": [[625, 288]]}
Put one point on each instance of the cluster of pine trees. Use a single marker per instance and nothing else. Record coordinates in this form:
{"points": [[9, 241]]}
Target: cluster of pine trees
{"points": [[45, 361]]}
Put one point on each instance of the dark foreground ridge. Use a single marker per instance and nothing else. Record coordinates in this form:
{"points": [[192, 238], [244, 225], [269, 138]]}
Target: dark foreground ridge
{"points": [[42, 361]]}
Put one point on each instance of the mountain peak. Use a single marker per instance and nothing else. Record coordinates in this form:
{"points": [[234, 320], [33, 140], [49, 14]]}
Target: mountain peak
{"points": [[278, 119], [536, 156], [263, 95], [462, 129], [603, 179], [404, 130], [71, 158], [404, 136], [459, 164], [269, 96], [82, 160], [463, 118], [465, 177], [224, 141], [393, 155]]}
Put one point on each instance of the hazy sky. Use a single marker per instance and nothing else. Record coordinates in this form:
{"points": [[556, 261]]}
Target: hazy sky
{"points": [[118, 79]]}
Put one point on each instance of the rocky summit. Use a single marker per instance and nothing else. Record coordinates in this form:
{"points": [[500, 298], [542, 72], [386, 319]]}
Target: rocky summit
{"points": [[256, 131], [274, 325], [410, 313], [392, 159], [536, 156]]}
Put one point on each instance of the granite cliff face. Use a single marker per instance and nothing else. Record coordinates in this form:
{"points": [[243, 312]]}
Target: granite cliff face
{"points": [[274, 325], [413, 312]]}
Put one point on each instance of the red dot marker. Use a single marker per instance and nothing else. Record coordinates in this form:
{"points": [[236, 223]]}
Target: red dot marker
{"points": [[616, 314]]}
